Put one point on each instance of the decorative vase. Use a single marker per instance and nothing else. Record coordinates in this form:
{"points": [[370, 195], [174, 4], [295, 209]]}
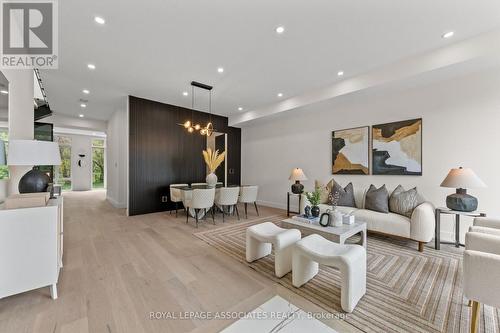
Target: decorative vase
{"points": [[336, 218], [315, 211], [211, 179]]}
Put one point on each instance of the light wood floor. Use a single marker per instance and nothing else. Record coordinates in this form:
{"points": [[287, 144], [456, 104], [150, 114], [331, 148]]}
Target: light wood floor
{"points": [[118, 269]]}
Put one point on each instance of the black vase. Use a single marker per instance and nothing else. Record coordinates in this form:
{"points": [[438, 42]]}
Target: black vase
{"points": [[315, 211]]}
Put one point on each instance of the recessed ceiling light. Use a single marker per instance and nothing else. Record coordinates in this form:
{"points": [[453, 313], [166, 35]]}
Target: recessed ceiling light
{"points": [[83, 105], [280, 29], [449, 34], [280, 95], [5, 92], [220, 70], [185, 93], [81, 115], [86, 91], [99, 20], [91, 66], [340, 73], [240, 109]]}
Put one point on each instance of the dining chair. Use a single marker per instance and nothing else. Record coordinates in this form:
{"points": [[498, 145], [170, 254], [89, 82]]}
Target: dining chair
{"points": [[176, 195], [201, 199], [248, 194], [227, 197]]}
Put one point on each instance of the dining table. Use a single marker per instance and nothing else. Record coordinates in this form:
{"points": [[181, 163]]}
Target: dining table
{"points": [[186, 191]]}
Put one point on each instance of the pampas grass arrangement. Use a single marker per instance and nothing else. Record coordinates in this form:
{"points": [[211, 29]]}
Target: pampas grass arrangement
{"points": [[213, 159]]}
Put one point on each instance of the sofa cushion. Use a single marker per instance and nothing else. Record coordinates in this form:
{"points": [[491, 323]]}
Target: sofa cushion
{"points": [[403, 202], [345, 195], [377, 199], [324, 190], [387, 223]]}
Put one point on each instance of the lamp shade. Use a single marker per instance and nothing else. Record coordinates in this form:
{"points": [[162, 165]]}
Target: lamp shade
{"points": [[3, 160], [462, 178], [33, 152], [297, 174]]}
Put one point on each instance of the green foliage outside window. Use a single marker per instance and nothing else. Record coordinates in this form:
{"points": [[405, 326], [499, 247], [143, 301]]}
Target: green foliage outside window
{"points": [[98, 163], [4, 170], [63, 172]]}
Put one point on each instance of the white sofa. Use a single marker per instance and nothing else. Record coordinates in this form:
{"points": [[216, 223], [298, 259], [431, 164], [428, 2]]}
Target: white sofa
{"points": [[419, 228]]}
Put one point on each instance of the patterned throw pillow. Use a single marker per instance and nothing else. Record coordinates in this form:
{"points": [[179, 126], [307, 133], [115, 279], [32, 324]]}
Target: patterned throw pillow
{"points": [[346, 195], [377, 199], [404, 202], [324, 190]]}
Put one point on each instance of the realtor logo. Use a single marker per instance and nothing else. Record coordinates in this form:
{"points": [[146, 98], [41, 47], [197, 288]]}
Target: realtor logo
{"points": [[29, 34]]}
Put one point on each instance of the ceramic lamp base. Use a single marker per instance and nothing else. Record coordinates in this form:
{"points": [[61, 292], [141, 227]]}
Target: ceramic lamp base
{"points": [[461, 201], [34, 181], [297, 188]]}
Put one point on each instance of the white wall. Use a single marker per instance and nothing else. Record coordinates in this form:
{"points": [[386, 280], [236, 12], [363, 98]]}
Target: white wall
{"points": [[117, 157], [81, 177], [461, 127], [21, 116]]}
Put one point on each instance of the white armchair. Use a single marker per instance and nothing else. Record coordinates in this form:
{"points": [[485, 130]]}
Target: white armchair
{"points": [[201, 199], [482, 254]]}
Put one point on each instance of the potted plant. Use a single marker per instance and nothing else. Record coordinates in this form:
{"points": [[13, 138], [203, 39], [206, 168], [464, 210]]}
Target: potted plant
{"points": [[315, 199], [213, 159]]}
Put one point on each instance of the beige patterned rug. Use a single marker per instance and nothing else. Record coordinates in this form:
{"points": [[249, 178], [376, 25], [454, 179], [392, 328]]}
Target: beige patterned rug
{"points": [[407, 291]]}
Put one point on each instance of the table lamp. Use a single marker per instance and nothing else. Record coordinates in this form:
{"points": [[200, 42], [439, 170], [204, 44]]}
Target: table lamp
{"points": [[297, 175], [33, 152], [461, 179]]}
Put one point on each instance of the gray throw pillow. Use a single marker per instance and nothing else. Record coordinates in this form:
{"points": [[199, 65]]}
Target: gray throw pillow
{"points": [[346, 195], [377, 199], [403, 202]]}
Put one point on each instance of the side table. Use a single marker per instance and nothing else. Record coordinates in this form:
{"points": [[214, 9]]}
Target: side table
{"points": [[447, 211], [288, 195]]}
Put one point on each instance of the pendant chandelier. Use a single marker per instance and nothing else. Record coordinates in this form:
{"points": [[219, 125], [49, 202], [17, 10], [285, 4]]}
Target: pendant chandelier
{"points": [[190, 125]]}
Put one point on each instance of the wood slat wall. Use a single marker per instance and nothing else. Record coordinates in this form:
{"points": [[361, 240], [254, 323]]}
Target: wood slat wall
{"points": [[162, 153]]}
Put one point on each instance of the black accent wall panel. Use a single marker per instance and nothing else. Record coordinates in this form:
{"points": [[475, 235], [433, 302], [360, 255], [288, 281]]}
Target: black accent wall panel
{"points": [[162, 153]]}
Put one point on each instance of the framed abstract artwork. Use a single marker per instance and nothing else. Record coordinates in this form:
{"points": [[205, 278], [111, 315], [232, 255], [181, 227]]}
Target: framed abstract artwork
{"points": [[350, 151], [397, 148]]}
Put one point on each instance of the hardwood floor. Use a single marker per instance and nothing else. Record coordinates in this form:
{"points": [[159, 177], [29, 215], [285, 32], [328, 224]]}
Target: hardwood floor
{"points": [[119, 269]]}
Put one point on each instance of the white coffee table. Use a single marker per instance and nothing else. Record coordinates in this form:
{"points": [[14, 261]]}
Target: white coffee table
{"points": [[335, 234]]}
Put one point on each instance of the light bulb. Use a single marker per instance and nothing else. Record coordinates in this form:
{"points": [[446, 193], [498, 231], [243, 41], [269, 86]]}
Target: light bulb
{"points": [[187, 124], [190, 129], [202, 132], [197, 127]]}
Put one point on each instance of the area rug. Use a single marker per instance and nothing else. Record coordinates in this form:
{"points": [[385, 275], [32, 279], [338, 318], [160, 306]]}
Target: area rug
{"points": [[407, 291]]}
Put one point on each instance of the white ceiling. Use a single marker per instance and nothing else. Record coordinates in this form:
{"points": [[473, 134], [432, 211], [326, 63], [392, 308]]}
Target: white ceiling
{"points": [[153, 49]]}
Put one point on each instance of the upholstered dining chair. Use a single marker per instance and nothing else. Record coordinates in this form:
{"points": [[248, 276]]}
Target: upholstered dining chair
{"points": [[482, 266], [227, 197], [201, 199], [248, 194], [176, 195]]}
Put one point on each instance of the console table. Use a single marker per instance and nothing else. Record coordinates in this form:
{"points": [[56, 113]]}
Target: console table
{"points": [[31, 248], [446, 211]]}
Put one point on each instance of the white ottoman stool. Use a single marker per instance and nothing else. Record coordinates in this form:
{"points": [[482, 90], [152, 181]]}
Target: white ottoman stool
{"points": [[261, 238], [349, 259]]}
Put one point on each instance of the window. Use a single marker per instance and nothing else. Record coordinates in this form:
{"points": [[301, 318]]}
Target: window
{"points": [[4, 170], [98, 163], [63, 171]]}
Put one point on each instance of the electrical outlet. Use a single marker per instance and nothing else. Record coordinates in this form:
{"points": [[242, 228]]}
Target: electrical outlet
{"points": [[164, 198]]}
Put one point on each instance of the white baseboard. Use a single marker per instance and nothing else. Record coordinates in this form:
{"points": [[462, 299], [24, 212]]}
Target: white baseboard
{"points": [[115, 203], [272, 204]]}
